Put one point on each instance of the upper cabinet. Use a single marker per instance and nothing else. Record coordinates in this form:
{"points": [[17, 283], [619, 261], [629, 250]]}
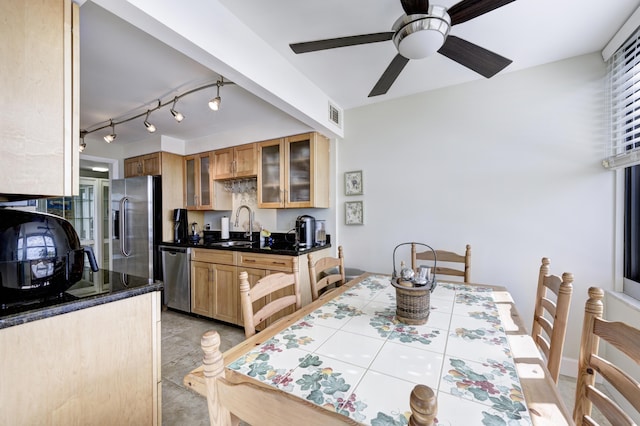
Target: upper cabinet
{"points": [[236, 162], [39, 124], [198, 182], [293, 172], [143, 165]]}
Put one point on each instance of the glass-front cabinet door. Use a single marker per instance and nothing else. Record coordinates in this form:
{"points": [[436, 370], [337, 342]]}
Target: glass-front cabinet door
{"points": [[198, 181], [294, 172], [271, 172], [299, 180]]}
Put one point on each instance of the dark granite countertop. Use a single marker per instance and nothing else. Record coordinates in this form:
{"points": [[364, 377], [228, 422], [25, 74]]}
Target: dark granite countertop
{"points": [[281, 244], [96, 288]]}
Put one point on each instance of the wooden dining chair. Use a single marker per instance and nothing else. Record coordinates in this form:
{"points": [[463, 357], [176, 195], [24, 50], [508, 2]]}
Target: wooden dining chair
{"points": [[455, 264], [626, 340], [230, 401], [550, 315], [267, 291], [320, 267]]}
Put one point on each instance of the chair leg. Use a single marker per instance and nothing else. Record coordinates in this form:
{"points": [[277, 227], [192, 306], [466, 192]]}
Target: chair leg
{"points": [[424, 406]]}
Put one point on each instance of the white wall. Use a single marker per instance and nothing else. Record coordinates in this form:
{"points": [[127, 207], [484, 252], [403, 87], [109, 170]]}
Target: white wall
{"points": [[510, 165]]}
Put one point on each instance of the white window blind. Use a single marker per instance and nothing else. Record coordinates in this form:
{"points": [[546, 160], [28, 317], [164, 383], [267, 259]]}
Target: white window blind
{"points": [[623, 96]]}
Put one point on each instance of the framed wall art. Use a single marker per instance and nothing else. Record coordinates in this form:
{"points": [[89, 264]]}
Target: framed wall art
{"points": [[353, 213], [353, 183]]}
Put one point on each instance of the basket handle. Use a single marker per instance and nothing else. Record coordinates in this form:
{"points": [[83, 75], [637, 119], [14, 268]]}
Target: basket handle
{"points": [[416, 243]]}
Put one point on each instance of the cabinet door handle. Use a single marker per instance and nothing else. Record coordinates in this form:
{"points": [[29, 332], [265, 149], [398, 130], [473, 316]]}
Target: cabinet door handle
{"points": [[278, 263], [249, 260]]}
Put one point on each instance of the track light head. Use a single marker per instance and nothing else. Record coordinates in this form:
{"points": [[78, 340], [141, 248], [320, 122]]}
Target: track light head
{"points": [[112, 136], [83, 144], [150, 127], [214, 103], [176, 114]]}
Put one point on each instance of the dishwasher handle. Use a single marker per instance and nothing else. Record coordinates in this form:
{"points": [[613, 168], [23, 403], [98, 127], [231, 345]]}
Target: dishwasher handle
{"points": [[173, 250]]}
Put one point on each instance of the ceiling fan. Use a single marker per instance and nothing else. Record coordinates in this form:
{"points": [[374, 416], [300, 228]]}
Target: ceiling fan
{"points": [[420, 32]]}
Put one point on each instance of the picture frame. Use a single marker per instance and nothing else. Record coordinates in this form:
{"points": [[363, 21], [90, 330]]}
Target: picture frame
{"points": [[353, 184], [353, 213]]}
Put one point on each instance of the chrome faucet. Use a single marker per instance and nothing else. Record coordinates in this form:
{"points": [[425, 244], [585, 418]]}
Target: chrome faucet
{"points": [[248, 234]]}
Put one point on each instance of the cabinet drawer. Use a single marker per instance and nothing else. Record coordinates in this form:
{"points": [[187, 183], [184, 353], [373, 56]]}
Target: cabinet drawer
{"points": [[271, 262], [225, 257]]}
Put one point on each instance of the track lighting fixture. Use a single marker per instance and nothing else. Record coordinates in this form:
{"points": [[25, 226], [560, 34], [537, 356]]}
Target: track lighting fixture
{"points": [[214, 104], [83, 144], [111, 136], [150, 127], [177, 115]]}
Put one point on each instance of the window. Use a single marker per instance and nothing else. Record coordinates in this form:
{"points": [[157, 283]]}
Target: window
{"points": [[624, 149]]}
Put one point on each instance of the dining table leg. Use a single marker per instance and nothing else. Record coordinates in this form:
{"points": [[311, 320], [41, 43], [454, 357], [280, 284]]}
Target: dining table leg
{"points": [[424, 406]]}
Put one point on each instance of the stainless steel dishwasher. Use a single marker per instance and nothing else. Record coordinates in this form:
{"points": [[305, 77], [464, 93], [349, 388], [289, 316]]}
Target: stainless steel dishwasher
{"points": [[176, 273]]}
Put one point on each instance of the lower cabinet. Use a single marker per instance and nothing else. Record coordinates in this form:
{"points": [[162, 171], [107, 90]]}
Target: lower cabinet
{"points": [[215, 287]]}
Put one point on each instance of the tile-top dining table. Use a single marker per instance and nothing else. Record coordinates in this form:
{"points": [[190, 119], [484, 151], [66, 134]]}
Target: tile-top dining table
{"points": [[347, 352]]}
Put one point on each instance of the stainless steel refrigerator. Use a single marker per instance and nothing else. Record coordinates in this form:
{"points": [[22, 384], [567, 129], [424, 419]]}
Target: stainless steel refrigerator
{"points": [[137, 228]]}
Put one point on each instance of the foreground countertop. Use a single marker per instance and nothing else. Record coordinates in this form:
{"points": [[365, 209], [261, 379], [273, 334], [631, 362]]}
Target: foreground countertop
{"points": [[96, 288]]}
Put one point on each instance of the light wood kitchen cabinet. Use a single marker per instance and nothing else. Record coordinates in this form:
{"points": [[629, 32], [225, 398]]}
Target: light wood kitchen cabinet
{"points": [[236, 162], [198, 182], [94, 366], [39, 124], [214, 285], [293, 172], [143, 165]]}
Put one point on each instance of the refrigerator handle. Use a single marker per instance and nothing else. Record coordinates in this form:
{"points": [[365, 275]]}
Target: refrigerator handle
{"points": [[123, 226]]}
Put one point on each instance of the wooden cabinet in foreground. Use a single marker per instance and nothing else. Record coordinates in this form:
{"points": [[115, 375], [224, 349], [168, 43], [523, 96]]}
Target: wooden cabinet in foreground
{"points": [[236, 162], [293, 172], [39, 124]]}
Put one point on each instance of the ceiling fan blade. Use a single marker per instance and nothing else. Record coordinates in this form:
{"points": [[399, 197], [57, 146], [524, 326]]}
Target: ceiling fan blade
{"points": [[332, 43], [474, 57], [469, 9], [389, 75], [412, 7]]}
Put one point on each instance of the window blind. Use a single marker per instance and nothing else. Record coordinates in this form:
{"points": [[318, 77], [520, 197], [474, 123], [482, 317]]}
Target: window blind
{"points": [[623, 95]]}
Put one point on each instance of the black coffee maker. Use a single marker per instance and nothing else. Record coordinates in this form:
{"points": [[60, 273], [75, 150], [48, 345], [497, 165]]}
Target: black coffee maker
{"points": [[180, 227]]}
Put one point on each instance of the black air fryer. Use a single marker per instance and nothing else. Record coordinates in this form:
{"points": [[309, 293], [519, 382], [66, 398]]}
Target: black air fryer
{"points": [[180, 229], [40, 255]]}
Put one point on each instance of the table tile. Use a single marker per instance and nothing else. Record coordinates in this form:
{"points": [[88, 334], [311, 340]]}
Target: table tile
{"points": [[348, 347], [409, 363]]}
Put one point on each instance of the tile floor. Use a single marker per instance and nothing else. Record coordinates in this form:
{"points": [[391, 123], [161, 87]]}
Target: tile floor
{"points": [[181, 353]]}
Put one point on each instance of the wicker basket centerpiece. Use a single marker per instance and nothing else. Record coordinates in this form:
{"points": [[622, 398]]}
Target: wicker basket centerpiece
{"points": [[413, 290]]}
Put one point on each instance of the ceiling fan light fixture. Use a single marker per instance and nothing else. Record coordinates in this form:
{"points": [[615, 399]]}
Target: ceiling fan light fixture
{"points": [[420, 36]]}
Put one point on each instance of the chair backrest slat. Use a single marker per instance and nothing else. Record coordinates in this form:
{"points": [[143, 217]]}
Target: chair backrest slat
{"points": [[321, 267], [448, 257], [550, 316], [619, 335]]}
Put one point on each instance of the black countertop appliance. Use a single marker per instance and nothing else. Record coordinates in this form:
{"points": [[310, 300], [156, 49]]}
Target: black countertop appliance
{"points": [[40, 255], [306, 231]]}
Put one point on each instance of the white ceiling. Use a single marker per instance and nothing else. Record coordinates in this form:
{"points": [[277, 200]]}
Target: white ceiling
{"points": [[124, 70]]}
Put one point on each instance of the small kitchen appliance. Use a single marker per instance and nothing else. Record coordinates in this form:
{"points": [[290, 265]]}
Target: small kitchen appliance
{"points": [[40, 255], [306, 231], [180, 225]]}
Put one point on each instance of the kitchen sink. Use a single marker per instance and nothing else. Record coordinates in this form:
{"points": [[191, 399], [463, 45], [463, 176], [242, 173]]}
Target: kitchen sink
{"points": [[232, 243]]}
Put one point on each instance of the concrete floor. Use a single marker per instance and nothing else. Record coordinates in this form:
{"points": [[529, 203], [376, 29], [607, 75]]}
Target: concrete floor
{"points": [[181, 353]]}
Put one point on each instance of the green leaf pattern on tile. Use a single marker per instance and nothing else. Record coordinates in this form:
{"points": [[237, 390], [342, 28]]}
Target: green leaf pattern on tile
{"points": [[506, 401]]}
